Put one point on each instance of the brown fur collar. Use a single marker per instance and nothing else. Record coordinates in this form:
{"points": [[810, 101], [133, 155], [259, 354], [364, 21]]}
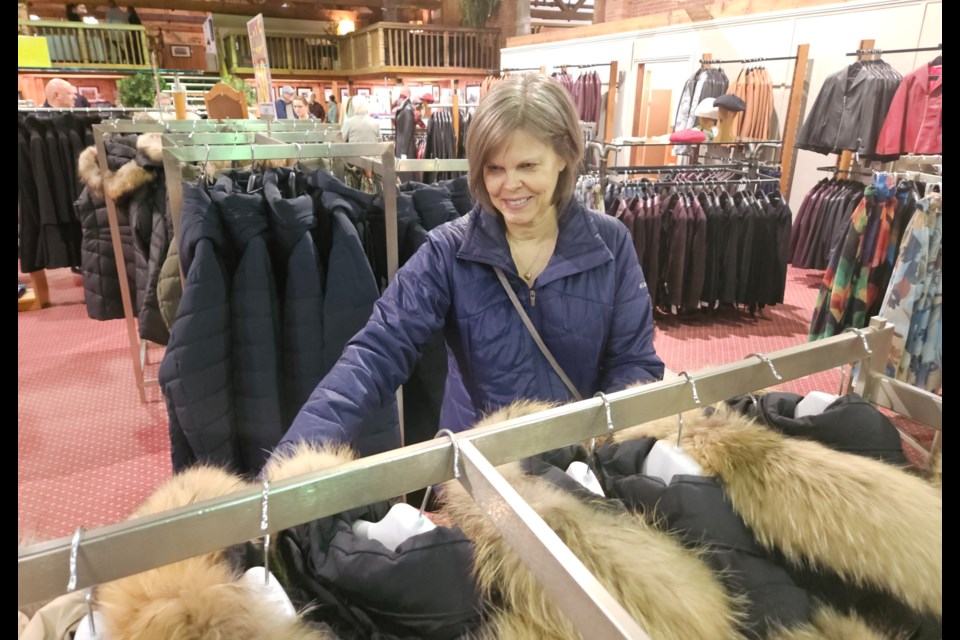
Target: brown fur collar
{"points": [[151, 145], [868, 521], [196, 599], [125, 180], [638, 564], [829, 624]]}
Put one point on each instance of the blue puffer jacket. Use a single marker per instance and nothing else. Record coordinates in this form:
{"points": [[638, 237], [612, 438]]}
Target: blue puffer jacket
{"points": [[590, 305]]}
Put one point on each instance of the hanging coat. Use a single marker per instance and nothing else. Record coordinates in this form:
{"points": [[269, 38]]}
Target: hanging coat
{"points": [[254, 322], [196, 371]]}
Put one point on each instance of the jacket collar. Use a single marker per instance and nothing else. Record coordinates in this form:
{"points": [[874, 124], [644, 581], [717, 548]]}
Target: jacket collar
{"points": [[579, 245]]}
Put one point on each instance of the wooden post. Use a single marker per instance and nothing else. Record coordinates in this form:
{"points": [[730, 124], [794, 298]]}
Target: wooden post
{"points": [[792, 123], [846, 157], [611, 102], [640, 110], [456, 115]]}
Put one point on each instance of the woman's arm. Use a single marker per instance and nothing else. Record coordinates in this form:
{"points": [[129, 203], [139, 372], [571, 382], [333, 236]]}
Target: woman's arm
{"points": [[380, 357], [630, 356]]}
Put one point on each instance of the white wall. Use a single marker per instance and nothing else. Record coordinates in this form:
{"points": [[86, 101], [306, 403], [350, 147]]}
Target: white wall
{"points": [[673, 53]]}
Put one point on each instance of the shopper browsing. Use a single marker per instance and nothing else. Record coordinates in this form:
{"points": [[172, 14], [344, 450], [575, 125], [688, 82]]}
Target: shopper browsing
{"points": [[574, 272], [361, 126]]}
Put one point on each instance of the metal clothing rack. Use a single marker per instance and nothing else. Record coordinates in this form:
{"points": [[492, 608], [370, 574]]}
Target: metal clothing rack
{"points": [[708, 61], [711, 183], [116, 551], [879, 52]]}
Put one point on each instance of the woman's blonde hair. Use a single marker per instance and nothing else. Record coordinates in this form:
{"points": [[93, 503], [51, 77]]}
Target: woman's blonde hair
{"points": [[541, 107]]}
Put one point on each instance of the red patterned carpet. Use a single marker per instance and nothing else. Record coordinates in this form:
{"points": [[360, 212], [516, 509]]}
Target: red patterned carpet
{"points": [[88, 451]]}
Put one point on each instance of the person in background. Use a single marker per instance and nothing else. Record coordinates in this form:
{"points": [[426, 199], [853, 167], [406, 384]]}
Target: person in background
{"points": [[316, 107], [116, 15], [284, 104], [60, 94], [333, 115], [133, 17], [361, 126], [72, 15], [301, 109], [527, 244]]}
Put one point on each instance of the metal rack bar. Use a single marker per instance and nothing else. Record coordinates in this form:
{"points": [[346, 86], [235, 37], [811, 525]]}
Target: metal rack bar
{"points": [[116, 551], [867, 52], [746, 60]]}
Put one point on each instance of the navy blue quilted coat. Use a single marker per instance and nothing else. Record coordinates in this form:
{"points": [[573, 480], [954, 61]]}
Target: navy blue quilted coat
{"points": [[590, 305]]}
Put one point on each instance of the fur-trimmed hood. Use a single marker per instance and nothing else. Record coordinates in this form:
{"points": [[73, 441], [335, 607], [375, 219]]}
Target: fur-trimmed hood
{"points": [[871, 523], [196, 599], [125, 174], [697, 605]]}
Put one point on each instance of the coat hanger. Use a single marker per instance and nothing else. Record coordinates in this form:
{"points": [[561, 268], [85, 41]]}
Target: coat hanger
{"points": [[664, 461], [87, 629], [203, 167], [581, 471], [260, 579], [402, 521], [816, 402]]}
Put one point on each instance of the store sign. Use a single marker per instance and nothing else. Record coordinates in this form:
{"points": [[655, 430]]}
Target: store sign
{"points": [[32, 52], [261, 67]]}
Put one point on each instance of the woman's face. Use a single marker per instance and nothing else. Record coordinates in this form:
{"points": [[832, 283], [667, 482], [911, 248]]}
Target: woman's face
{"points": [[521, 177], [301, 109]]}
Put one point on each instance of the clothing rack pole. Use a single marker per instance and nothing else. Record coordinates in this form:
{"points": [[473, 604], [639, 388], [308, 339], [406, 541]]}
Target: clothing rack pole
{"points": [[611, 101], [846, 157], [137, 348], [849, 172], [871, 51], [116, 551], [788, 152], [710, 60]]}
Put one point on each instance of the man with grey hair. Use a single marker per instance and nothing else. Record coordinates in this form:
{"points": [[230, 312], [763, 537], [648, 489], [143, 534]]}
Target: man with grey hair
{"points": [[60, 94], [284, 104], [361, 126]]}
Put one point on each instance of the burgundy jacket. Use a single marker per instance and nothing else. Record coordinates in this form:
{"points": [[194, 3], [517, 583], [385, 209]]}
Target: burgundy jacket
{"points": [[914, 123]]}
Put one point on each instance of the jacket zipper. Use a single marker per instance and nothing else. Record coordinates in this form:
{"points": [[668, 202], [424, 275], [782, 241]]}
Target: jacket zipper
{"points": [[533, 298]]}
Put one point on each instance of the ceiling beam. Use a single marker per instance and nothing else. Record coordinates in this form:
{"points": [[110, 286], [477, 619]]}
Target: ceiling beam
{"points": [[544, 14], [269, 8]]}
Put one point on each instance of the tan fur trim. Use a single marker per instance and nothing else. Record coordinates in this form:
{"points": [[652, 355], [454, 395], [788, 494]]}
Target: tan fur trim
{"points": [[191, 486], [151, 144], [829, 624], [868, 521], [670, 592], [306, 458], [936, 469], [518, 409], [126, 179], [89, 171]]}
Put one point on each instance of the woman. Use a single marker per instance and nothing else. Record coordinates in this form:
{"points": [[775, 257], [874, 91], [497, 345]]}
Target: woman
{"points": [[301, 109], [574, 271], [361, 126], [332, 116]]}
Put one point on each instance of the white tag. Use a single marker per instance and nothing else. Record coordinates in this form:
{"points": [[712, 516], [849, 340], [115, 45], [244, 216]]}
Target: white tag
{"points": [[815, 403], [83, 631], [270, 591], [665, 461], [401, 523], [583, 474]]}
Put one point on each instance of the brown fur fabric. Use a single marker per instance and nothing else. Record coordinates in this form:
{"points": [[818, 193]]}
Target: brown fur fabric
{"points": [[829, 624], [870, 522], [305, 458], [126, 179], [669, 591], [151, 144], [198, 598], [89, 171]]}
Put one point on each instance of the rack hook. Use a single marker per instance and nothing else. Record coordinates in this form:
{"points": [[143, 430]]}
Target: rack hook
{"points": [[456, 465], [863, 338], [769, 363], [693, 385]]}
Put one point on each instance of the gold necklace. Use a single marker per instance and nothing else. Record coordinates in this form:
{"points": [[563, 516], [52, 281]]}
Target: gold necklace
{"points": [[527, 273]]}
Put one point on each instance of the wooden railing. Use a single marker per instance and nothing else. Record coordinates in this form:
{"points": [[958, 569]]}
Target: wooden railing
{"points": [[389, 44], [384, 44], [290, 53], [95, 46]]}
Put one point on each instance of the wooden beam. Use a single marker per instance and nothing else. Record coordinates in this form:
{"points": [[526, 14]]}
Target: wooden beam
{"points": [[611, 102], [546, 14], [640, 110], [296, 10], [792, 123]]}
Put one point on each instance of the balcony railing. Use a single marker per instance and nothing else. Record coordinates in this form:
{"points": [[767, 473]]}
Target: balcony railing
{"points": [[290, 53], [95, 46], [388, 44], [381, 45]]}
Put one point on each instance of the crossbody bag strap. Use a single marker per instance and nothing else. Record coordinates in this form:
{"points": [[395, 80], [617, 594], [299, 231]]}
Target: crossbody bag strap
{"points": [[536, 336]]}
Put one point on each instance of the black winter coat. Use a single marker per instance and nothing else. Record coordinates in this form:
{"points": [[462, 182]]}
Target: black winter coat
{"points": [[254, 322], [196, 371]]}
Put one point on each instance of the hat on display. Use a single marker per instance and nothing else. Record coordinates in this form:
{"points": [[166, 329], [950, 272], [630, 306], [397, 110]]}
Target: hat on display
{"points": [[707, 109], [730, 102], [688, 136], [427, 97]]}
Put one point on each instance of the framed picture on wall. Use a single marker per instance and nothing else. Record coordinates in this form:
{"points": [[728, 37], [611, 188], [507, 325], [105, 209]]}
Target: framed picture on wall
{"points": [[473, 94], [344, 95], [180, 50], [436, 93], [363, 91], [90, 93], [304, 92], [327, 92]]}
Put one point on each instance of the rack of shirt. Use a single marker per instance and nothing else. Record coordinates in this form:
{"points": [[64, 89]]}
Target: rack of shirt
{"points": [[315, 505], [914, 122], [759, 120], [821, 220], [442, 143], [705, 238], [863, 256], [706, 82]]}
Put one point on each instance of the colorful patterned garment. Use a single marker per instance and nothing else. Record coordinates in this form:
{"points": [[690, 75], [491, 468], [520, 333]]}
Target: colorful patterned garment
{"points": [[914, 298], [858, 269]]}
